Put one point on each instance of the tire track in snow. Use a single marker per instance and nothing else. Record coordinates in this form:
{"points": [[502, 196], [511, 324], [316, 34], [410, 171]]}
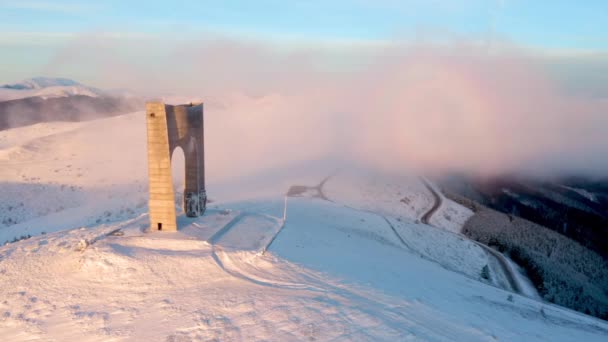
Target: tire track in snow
{"points": [[284, 219], [345, 293], [228, 265], [222, 231], [323, 196], [396, 315]]}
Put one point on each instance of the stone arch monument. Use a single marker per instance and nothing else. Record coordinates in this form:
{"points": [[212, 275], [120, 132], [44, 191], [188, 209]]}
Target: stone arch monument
{"points": [[170, 127]]}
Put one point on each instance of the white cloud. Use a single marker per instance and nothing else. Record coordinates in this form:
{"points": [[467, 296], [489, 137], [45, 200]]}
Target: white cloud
{"points": [[435, 106]]}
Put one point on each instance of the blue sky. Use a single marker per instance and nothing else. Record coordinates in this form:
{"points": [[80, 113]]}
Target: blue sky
{"points": [[33, 30], [563, 24]]}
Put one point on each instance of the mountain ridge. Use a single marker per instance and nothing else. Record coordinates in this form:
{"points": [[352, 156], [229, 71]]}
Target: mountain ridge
{"points": [[41, 82], [46, 99]]}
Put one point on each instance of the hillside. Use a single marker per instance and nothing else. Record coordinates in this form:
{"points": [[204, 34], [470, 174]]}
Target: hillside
{"points": [[576, 207], [563, 271], [32, 110], [358, 265], [44, 99], [47, 87]]}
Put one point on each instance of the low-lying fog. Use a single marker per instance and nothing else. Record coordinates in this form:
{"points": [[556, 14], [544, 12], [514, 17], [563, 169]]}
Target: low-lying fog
{"points": [[458, 106]]}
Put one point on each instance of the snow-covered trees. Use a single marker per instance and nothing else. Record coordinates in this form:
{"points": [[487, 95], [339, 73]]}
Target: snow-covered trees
{"points": [[564, 271], [485, 273]]}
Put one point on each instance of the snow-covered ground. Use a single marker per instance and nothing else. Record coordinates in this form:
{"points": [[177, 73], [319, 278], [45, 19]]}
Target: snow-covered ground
{"points": [[401, 200], [64, 175], [358, 268], [45, 87], [401, 196], [45, 93], [332, 273]]}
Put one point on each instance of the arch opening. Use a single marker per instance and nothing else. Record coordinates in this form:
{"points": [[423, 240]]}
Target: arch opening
{"points": [[178, 175]]}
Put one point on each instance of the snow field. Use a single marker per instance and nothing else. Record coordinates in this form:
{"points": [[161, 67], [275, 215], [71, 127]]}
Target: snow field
{"points": [[335, 271]]}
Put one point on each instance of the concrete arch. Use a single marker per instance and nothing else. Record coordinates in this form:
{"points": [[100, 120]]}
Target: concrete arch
{"points": [[170, 127]]}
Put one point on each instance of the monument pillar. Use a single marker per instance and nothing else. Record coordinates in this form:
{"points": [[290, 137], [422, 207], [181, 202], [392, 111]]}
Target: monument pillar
{"points": [[170, 127]]}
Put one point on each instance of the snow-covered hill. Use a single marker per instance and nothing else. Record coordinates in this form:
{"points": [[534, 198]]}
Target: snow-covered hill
{"points": [[257, 266], [41, 82], [57, 99], [46, 87]]}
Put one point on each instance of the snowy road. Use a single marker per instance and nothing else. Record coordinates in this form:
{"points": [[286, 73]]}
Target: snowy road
{"points": [[504, 264], [426, 218], [513, 280]]}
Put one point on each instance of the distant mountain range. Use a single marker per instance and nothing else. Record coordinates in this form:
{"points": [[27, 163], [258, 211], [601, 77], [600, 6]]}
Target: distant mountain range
{"points": [[43, 99], [42, 82], [46, 87]]}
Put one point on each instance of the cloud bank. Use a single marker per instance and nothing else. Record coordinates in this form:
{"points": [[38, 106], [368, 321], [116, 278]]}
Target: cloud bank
{"points": [[457, 106]]}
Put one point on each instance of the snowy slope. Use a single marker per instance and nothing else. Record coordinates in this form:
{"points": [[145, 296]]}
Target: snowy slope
{"points": [[41, 82], [63, 175], [328, 275], [401, 196], [21, 135], [45, 93], [402, 200], [348, 270], [45, 87]]}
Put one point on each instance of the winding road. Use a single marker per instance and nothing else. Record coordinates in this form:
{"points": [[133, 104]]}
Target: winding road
{"points": [[426, 218], [502, 261]]}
